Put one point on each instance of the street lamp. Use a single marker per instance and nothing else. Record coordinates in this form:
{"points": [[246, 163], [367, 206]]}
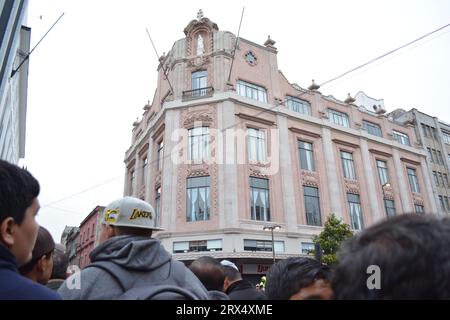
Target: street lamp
{"points": [[272, 228]]}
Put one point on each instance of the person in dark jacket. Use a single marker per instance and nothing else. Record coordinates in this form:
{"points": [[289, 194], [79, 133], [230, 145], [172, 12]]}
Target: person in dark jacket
{"points": [[40, 267], [60, 265], [210, 272], [129, 264], [299, 278], [235, 287], [18, 232]]}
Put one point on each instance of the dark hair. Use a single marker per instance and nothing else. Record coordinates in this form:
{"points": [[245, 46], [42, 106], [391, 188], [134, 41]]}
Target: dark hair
{"points": [[411, 252], [209, 271], [132, 231], [44, 246], [231, 273], [18, 189], [288, 276], [60, 263]]}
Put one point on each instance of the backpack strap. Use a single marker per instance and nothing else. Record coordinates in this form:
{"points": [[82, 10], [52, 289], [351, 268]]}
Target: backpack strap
{"points": [[158, 292], [107, 267]]}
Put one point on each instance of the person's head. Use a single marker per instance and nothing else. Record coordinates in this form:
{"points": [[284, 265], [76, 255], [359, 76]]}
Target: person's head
{"points": [[298, 279], [209, 271], [18, 208], [39, 268], [231, 272], [60, 262], [405, 257], [128, 216]]}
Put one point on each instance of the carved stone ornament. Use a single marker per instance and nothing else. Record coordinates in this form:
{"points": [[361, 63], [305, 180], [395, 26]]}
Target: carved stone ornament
{"points": [[351, 186], [204, 118], [309, 178]]}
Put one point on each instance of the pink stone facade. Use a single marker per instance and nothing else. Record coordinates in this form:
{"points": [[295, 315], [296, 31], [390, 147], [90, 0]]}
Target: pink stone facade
{"points": [[230, 229], [88, 236]]}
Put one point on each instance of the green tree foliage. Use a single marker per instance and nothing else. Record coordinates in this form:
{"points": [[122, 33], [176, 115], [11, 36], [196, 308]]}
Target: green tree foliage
{"points": [[330, 239]]}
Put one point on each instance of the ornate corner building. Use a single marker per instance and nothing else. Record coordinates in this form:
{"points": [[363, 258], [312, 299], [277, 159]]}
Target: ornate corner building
{"points": [[221, 154]]}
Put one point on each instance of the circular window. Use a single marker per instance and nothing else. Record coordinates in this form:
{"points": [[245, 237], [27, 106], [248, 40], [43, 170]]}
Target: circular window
{"points": [[251, 58]]}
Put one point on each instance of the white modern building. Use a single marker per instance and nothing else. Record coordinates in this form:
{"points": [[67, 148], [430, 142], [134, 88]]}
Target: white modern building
{"points": [[14, 46]]}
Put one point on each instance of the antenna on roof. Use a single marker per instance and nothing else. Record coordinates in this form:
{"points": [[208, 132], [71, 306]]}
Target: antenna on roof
{"points": [[235, 45], [166, 73]]}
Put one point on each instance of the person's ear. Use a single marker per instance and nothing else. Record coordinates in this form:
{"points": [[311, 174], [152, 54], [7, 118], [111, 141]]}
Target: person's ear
{"points": [[42, 263], [7, 231], [226, 284], [111, 231]]}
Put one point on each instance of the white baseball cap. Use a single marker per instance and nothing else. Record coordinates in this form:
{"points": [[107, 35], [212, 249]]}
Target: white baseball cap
{"points": [[230, 264], [130, 212]]}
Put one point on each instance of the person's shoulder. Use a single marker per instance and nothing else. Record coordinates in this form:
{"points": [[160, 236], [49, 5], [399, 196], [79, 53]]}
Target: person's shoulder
{"points": [[21, 288], [40, 292]]}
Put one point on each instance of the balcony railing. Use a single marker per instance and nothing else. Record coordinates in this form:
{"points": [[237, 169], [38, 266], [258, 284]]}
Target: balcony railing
{"points": [[198, 93]]}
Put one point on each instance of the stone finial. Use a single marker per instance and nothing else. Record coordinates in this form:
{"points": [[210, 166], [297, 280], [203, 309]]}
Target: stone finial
{"points": [[136, 123], [147, 106], [313, 86], [269, 42], [200, 14], [349, 99]]}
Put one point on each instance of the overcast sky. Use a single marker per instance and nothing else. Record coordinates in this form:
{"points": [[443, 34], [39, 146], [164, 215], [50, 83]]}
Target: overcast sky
{"points": [[93, 73]]}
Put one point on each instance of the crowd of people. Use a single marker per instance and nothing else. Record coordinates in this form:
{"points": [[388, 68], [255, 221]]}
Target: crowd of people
{"points": [[405, 257]]}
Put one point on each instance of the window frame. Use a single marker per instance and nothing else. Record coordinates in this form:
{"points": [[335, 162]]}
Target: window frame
{"points": [[337, 117], [200, 186], [256, 185]]}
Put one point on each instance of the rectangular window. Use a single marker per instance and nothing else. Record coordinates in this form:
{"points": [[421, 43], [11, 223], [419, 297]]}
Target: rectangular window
{"points": [[348, 166], [199, 83], [433, 129], [383, 173], [306, 155], [447, 205], [430, 154], [355, 211], [132, 181], [263, 245], [312, 206], [448, 157], [446, 137], [440, 159], [372, 128], [256, 144], [180, 247], [419, 209], [441, 201], [298, 105], [446, 180], [307, 247], [198, 144], [401, 138], [197, 198], [413, 182], [389, 205], [198, 246], [259, 199], [441, 179], [435, 157], [158, 207], [338, 118], [251, 91], [93, 230], [144, 171], [214, 245], [424, 130], [160, 155], [436, 180]]}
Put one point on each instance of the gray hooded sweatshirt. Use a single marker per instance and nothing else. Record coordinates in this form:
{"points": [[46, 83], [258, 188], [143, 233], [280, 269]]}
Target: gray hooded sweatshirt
{"points": [[129, 262]]}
